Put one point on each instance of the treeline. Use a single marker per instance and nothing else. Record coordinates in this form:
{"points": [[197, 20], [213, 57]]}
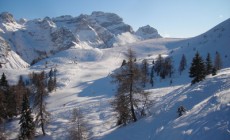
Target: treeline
{"points": [[15, 100], [131, 102]]}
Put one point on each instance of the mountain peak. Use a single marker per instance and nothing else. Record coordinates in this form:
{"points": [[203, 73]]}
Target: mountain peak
{"points": [[6, 17], [147, 32]]}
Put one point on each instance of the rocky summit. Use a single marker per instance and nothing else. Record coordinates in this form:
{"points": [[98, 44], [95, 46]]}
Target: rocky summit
{"points": [[37, 39]]}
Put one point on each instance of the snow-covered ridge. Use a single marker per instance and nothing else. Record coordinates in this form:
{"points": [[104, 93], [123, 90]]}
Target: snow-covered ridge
{"points": [[39, 38]]}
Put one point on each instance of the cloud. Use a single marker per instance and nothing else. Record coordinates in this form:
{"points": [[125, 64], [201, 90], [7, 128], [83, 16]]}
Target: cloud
{"points": [[166, 35], [220, 16]]}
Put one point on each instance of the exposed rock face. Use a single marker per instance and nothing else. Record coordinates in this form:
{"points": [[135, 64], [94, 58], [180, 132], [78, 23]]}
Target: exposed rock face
{"points": [[6, 17], [147, 32], [112, 22], [63, 38], [8, 58], [40, 38]]}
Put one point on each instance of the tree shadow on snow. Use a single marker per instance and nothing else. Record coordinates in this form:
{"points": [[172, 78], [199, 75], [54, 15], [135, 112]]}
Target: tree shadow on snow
{"points": [[100, 87]]}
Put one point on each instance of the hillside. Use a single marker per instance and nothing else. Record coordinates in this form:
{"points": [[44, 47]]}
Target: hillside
{"points": [[84, 82]]}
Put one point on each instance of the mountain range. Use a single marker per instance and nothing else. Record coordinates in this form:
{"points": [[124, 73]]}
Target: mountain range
{"points": [[87, 49], [37, 39]]}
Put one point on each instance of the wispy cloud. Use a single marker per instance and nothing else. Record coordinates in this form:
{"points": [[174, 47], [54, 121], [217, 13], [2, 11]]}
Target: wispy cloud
{"points": [[220, 16], [166, 35]]}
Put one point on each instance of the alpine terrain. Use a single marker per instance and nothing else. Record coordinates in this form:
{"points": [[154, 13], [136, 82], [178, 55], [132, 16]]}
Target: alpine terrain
{"points": [[84, 53]]}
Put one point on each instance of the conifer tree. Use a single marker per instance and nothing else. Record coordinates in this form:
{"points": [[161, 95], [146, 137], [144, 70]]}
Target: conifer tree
{"points": [[145, 72], [4, 83], [128, 79], [183, 64], [78, 130], [3, 113], [152, 76], [27, 126], [42, 115], [168, 66], [19, 90], [159, 64], [197, 69], [9, 100], [208, 64]]}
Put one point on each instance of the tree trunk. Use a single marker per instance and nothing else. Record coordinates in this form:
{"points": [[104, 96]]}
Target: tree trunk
{"points": [[131, 100], [42, 119]]}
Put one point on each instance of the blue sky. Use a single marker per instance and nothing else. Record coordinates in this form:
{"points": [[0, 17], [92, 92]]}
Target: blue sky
{"points": [[172, 18]]}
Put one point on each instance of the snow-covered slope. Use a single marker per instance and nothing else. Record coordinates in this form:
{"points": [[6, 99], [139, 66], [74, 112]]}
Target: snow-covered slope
{"points": [[8, 58], [84, 82], [207, 116], [37, 39]]}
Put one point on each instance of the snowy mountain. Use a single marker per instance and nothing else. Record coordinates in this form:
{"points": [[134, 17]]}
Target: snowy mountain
{"points": [[37, 39], [147, 32], [8, 58], [73, 45]]}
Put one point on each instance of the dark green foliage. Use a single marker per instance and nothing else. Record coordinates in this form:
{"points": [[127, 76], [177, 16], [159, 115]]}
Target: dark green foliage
{"points": [[208, 64], [197, 69], [27, 126]]}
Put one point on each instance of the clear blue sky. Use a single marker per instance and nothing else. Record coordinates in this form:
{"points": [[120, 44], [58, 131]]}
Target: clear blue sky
{"points": [[174, 18]]}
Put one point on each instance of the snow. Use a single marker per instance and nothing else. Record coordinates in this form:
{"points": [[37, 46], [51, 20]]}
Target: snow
{"points": [[84, 82]]}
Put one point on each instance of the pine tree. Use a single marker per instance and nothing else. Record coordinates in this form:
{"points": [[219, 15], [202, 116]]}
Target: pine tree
{"points": [[78, 130], [197, 69], [42, 115], [168, 66], [3, 113], [183, 64], [9, 100], [208, 64], [27, 126], [18, 90], [159, 64], [152, 76], [128, 79], [4, 83], [218, 61], [145, 72], [50, 84]]}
